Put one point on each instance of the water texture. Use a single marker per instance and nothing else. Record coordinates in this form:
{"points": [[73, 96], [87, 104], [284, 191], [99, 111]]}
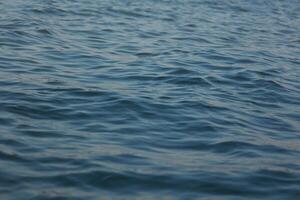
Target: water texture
{"points": [[149, 99]]}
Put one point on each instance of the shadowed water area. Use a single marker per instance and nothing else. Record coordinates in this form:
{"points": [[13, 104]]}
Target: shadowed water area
{"points": [[149, 99]]}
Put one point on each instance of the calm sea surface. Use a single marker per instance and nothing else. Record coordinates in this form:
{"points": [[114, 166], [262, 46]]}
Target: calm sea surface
{"points": [[149, 99]]}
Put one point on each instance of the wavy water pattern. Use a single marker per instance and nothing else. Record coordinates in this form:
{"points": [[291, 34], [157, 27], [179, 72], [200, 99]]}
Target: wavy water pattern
{"points": [[183, 99]]}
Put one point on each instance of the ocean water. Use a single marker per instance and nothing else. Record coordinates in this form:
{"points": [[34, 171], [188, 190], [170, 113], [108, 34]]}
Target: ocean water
{"points": [[149, 99]]}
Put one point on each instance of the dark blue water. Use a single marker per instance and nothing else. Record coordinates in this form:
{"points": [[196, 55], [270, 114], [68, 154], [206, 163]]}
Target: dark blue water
{"points": [[120, 99]]}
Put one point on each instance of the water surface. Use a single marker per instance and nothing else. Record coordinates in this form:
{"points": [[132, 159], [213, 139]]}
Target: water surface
{"points": [[119, 99]]}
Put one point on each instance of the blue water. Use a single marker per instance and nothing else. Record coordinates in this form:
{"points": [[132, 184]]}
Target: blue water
{"points": [[149, 99]]}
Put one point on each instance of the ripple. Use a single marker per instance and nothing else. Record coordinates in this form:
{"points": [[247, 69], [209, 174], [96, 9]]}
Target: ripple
{"points": [[149, 99]]}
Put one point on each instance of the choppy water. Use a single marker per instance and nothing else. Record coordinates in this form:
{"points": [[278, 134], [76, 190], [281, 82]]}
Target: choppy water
{"points": [[119, 99]]}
